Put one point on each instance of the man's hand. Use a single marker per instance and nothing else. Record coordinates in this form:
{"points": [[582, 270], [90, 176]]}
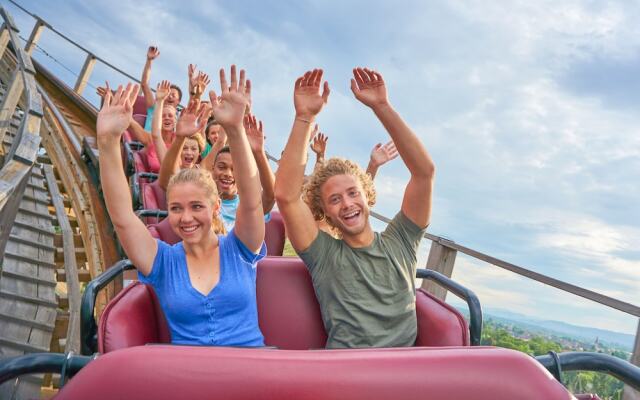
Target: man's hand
{"points": [[115, 115], [152, 53], [319, 143], [368, 87], [307, 99], [382, 154], [162, 90], [236, 98], [255, 134], [193, 119]]}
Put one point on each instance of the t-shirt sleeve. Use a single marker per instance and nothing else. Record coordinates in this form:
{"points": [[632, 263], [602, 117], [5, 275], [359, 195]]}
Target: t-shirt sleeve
{"points": [[405, 233], [317, 252], [159, 262], [148, 121], [245, 254]]}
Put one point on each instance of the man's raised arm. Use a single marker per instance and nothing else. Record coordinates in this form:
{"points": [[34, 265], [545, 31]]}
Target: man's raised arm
{"points": [[369, 88], [308, 103]]}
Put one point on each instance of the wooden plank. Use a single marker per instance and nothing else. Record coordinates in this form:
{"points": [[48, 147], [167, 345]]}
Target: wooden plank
{"points": [[31, 242], [4, 39], [85, 73], [61, 257], [27, 149], [25, 321], [442, 260], [28, 278], [20, 257], [35, 36], [28, 299], [70, 267], [29, 348], [10, 100]]}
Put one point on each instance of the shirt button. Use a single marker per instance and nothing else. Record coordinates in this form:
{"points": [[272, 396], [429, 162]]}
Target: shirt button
{"points": [[211, 334]]}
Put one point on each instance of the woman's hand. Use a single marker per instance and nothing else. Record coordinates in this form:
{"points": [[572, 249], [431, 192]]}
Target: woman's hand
{"points": [[115, 115]]}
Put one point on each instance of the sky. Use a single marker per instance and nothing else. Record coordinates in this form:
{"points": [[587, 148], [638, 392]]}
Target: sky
{"points": [[529, 110]]}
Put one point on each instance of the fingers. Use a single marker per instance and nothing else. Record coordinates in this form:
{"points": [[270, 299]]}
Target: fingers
{"points": [[117, 96], [133, 95], [326, 91], [299, 81], [107, 96], [358, 75], [234, 79], [213, 98], [241, 84], [224, 87], [247, 89], [260, 127]]}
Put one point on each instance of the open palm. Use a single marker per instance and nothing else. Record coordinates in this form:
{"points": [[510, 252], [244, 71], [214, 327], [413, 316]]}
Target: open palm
{"points": [[235, 98], [368, 87], [255, 134], [306, 96], [115, 115], [193, 118]]}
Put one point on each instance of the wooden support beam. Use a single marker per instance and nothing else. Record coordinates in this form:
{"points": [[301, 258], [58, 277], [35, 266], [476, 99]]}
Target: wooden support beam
{"points": [[4, 39], [441, 259], [70, 265], [35, 36], [87, 68], [10, 101]]}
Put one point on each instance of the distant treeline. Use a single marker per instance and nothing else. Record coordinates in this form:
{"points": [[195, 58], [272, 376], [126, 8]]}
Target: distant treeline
{"points": [[605, 386]]}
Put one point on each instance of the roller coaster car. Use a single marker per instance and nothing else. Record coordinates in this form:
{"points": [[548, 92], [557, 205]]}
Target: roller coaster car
{"points": [[290, 320]]}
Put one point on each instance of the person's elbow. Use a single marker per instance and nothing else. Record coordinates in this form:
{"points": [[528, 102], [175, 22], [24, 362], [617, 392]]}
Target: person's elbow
{"points": [[426, 173], [284, 194]]}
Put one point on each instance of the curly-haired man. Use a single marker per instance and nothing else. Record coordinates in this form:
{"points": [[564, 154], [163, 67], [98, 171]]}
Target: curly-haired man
{"points": [[364, 281]]}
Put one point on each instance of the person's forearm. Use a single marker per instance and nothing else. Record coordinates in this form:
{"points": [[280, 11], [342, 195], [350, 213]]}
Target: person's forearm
{"points": [[139, 133], [290, 174], [267, 181], [144, 84], [244, 169], [170, 164], [372, 169], [410, 148], [156, 131], [209, 160], [114, 183]]}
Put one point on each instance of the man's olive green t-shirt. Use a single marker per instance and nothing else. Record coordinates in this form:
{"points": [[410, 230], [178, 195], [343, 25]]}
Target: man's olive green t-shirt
{"points": [[367, 295]]}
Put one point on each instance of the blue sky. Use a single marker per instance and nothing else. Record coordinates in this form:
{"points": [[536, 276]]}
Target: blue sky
{"points": [[529, 110]]}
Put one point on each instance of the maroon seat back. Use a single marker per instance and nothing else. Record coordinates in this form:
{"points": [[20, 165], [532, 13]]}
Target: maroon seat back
{"points": [[140, 106], [153, 196], [132, 318], [141, 119], [288, 311], [274, 234], [162, 230], [439, 324], [197, 373]]}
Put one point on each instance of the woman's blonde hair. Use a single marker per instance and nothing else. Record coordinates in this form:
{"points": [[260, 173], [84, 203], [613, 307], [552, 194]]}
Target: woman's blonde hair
{"points": [[312, 193], [202, 179]]}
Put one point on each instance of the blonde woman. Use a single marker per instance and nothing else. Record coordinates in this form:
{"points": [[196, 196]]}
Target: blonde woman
{"points": [[206, 282]]}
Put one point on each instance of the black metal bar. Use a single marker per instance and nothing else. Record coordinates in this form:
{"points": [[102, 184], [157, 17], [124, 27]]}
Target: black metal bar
{"points": [[88, 325], [598, 362], [135, 186], [152, 213], [475, 310], [13, 367]]}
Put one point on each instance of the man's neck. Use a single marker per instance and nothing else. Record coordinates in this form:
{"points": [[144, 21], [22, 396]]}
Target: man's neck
{"points": [[363, 239]]}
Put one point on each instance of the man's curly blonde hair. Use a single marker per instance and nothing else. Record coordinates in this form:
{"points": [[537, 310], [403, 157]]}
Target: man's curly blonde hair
{"points": [[334, 166]]}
